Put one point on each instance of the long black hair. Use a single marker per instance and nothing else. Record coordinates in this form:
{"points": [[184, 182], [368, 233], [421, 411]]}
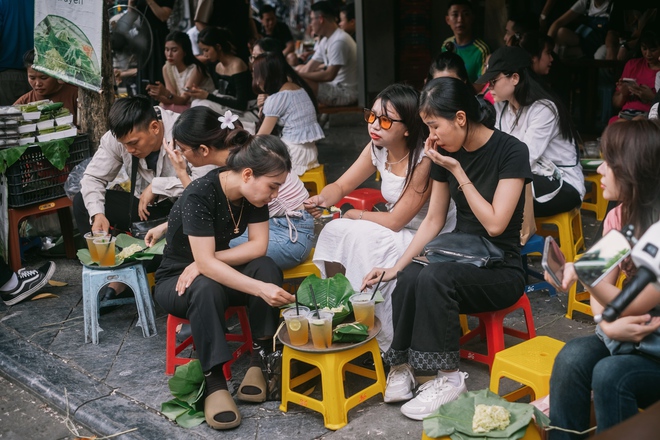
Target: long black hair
{"points": [[272, 71], [214, 36], [264, 154], [199, 126], [445, 96], [449, 61], [183, 41]]}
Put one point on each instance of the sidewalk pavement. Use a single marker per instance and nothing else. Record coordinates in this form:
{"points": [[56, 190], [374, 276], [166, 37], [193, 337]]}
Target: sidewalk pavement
{"points": [[120, 384]]}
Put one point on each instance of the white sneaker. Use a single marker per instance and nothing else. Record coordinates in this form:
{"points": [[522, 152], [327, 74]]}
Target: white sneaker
{"points": [[432, 395], [400, 384]]}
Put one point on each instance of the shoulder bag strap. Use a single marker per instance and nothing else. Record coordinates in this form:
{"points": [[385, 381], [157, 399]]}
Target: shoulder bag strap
{"points": [[134, 168]]}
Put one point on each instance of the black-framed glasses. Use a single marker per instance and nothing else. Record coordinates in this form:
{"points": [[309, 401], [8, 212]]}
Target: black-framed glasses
{"points": [[385, 121], [492, 82]]}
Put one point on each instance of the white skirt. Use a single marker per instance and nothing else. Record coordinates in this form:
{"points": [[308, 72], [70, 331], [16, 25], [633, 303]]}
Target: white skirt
{"points": [[303, 156]]}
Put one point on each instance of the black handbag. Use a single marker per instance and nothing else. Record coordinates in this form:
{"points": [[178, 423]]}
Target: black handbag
{"points": [[140, 229], [461, 247]]}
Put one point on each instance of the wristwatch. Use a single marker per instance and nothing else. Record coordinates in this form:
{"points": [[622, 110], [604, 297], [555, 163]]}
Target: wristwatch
{"points": [[543, 16]]}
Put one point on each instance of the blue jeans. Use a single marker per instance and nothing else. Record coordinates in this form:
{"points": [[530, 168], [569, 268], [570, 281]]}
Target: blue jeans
{"points": [[281, 249], [621, 384]]}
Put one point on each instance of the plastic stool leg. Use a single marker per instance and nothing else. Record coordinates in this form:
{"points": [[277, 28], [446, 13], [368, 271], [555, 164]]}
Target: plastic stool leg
{"points": [[143, 301]]}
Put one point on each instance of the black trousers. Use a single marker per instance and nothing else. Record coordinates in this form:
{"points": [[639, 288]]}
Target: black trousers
{"points": [[427, 301], [204, 304], [5, 272], [566, 199], [117, 205]]}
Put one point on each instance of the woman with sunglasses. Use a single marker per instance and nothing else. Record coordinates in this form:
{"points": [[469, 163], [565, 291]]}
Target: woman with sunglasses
{"points": [[361, 240], [526, 110], [484, 172], [290, 107]]}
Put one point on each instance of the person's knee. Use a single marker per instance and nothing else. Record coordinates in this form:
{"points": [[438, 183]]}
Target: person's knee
{"points": [[264, 269], [205, 292]]}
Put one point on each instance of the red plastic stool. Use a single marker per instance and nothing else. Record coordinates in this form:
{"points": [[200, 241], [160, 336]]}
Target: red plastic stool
{"points": [[172, 350], [492, 327], [362, 198]]}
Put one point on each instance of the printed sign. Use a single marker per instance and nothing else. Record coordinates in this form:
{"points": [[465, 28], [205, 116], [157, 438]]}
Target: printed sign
{"points": [[67, 40]]}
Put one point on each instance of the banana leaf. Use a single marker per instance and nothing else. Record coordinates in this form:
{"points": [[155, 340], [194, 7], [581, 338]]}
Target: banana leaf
{"points": [[57, 151], [330, 292], [123, 241], [187, 386], [9, 156], [454, 419]]}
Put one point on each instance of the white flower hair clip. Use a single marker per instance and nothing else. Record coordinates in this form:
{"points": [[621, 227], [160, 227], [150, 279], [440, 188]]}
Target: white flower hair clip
{"points": [[228, 120]]}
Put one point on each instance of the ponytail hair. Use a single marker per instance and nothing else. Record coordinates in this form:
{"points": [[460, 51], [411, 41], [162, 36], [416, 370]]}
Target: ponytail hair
{"points": [[444, 97], [265, 155], [199, 126]]}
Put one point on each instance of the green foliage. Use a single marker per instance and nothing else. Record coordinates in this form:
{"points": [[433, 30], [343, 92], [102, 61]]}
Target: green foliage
{"points": [[9, 156], [330, 292], [124, 241], [187, 386], [57, 151]]}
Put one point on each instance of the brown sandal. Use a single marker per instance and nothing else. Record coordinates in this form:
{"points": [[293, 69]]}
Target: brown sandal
{"points": [[220, 410], [253, 387]]}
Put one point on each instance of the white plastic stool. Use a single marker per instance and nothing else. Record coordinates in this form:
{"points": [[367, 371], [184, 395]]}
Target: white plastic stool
{"points": [[135, 277]]}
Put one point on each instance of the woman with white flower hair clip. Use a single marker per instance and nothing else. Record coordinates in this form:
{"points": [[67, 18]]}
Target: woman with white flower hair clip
{"points": [[200, 275]]}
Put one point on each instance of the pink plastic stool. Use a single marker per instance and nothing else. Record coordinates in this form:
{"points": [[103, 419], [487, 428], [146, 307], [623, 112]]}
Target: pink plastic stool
{"points": [[491, 326], [172, 349]]}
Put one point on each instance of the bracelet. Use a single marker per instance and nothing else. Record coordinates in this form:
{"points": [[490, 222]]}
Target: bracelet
{"points": [[170, 96], [360, 217], [460, 187]]}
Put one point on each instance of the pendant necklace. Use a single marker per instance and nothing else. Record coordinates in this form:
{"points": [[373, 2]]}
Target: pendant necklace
{"points": [[388, 165], [240, 215]]}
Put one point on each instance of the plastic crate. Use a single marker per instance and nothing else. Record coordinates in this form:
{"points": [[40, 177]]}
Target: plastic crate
{"points": [[33, 179]]}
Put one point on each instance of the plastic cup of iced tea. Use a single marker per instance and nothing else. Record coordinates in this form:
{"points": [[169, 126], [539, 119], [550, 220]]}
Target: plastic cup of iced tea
{"points": [[105, 249], [297, 324], [89, 238], [363, 308], [321, 327]]}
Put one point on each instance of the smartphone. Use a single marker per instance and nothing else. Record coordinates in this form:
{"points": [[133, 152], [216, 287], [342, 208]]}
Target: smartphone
{"points": [[632, 81], [553, 261], [186, 89], [421, 260], [602, 258]]}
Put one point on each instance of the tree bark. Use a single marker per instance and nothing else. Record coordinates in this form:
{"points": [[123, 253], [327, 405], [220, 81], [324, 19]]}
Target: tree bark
{"points": [[93, 107]]}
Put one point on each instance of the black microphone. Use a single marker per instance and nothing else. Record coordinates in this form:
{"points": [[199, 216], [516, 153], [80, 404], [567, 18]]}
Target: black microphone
{"points": [[637, 283]]}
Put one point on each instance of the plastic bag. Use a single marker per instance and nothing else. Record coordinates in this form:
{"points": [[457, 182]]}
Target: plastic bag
{"points": [[72, 184]]}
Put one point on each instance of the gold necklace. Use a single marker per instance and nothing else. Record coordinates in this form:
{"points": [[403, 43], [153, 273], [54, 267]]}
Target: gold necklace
{"points": [[388, 165], [240, 215]]}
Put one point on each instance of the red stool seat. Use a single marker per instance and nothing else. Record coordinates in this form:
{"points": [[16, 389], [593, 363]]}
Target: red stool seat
{"points": [[362, 198], [491, 325], [172, 350]]}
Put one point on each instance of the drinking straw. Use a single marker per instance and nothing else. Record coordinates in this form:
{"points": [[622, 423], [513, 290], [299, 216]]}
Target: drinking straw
{"points": [[311, 290], [295, 294], [377, 286]]}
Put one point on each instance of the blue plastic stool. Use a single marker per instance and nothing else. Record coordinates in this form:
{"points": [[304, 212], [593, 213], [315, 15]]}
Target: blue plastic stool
{"points": [[135, 277], [535, 244]]}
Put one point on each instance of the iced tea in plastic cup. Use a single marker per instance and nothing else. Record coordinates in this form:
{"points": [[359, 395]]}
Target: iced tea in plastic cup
{"points": [[105, 248], [297, 325], [89, 238], [364, 308], [321, 328]]}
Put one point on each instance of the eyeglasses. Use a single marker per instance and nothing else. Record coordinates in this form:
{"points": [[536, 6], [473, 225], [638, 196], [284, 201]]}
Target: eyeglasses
{"points": [[492, 82], [385, 122]]}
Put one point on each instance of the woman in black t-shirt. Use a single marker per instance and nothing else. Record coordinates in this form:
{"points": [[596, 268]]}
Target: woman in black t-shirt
{"points": [[484, 172], [200, 276]]}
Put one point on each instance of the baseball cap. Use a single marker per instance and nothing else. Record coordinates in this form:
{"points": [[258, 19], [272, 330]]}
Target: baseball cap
{"points": [[505, 59]]}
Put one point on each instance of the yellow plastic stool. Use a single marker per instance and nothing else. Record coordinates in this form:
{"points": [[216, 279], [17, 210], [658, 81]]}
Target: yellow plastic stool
{"points": [[303, 270], [332, 366], [529, 363], [532, 433], [575, 298], [594, 200], [569, 226], [464, 324], [316, 178]]}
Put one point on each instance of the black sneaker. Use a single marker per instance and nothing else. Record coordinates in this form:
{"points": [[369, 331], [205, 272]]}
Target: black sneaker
{"points": [[29, 283]]}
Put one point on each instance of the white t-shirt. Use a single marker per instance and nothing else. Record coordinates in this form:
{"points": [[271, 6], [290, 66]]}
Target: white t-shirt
{"points": [[588, 6], [339, 50], [538, 128]]}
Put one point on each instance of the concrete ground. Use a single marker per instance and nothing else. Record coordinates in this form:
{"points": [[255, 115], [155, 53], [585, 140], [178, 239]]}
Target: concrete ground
{"points": [[120, 384]]}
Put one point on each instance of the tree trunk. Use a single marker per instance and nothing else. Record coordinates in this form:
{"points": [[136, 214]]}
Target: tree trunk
{"points": [[94, 107]]}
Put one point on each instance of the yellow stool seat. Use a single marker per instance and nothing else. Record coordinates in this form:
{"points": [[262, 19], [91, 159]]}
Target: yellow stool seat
{"points": [[575, 298], [532, 433], [303, 270], [314, 180], [594, 200], [569, 231], [529, 363], [332, 367]]}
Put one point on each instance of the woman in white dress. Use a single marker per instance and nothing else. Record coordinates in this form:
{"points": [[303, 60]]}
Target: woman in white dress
{"points": [[355, 243]]}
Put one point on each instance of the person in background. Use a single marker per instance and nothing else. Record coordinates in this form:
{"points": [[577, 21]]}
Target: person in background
{"points": [[234, 15], [156, 12], [528, 111], [16, 38], [272, 28], [201, 276], [290, 108], [515, 27], [539, 46], [586, 377], [347, 19], [47, 87], [628, 20], [332, 71], [24, 284], [589, 36], [181, 72], [460, 18]]}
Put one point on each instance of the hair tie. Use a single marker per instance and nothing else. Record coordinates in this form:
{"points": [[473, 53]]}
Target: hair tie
{"points": [[228, 119]]}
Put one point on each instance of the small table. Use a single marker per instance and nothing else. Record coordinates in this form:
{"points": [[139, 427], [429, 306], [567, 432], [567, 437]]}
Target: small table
{"points": [[331, 364]]}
